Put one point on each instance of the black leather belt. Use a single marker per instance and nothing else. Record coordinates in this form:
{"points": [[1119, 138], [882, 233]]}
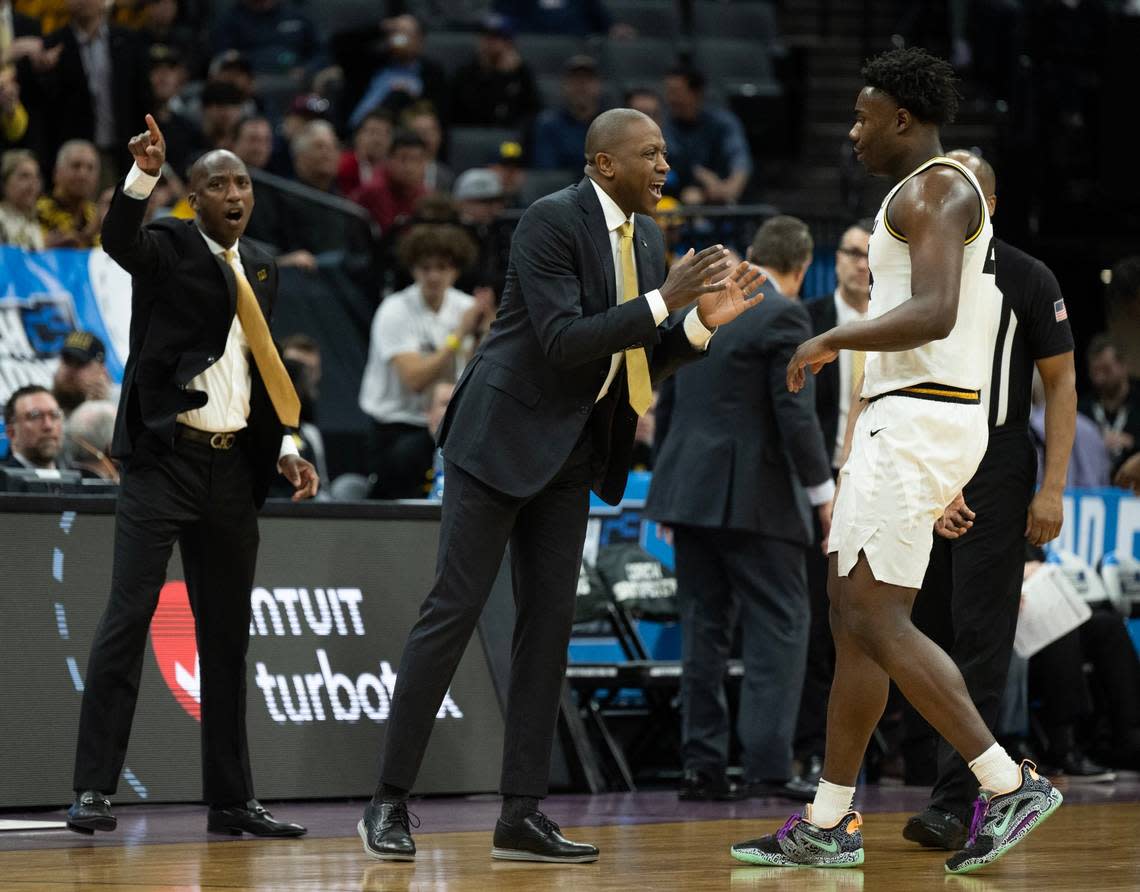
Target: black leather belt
{"points": [[215, 440], [942, 393]]}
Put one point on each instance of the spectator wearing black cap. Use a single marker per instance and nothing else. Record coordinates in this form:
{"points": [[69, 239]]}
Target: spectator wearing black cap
{"points": [[508, 164], [158, 24], [560, 133], [222, 107], [168, 76], [384, 67], [275, 36], [82, 373], [707, 146], [497, 87], [234, 67]]}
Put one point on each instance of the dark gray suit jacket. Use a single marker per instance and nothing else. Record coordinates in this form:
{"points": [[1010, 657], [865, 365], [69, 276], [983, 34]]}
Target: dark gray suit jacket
{"points": [[824, 318], [528, 394], [736, 447]]}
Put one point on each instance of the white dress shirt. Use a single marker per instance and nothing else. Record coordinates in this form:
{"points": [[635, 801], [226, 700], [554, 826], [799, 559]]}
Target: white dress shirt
{"points": [[695, 330], [226, 382], [844, 312]]}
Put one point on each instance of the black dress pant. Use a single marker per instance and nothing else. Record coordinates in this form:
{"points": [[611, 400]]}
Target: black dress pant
{"points": [[545, 533], [202, 499], [402, 457], [723, 574], [968, 604], [811, 726]]}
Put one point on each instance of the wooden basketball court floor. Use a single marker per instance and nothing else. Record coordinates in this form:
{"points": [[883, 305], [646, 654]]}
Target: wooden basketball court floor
{"points": [[648, 841]]}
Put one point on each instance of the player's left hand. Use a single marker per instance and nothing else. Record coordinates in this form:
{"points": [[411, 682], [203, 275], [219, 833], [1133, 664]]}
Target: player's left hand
{"points": [[815, 353], [304, 477], [737, 292], [1046, 514], [956, 520]]}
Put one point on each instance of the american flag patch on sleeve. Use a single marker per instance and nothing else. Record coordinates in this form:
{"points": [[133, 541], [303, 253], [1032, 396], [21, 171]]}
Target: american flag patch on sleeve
{"points": [[1059, 310]]}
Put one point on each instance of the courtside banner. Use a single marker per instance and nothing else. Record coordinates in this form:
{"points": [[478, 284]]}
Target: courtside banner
{"points": [[333, 602], [46, 294]]}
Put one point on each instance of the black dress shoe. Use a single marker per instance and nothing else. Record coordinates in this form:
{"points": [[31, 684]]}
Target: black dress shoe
{"points": [[698, 787], [386, 831], [936, 828], [252, 818], [537, 838], [90, 812], [796, 789]]}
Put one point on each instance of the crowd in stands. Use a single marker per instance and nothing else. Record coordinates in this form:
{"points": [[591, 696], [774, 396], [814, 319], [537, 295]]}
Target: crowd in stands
{"points": [[433, 148]]}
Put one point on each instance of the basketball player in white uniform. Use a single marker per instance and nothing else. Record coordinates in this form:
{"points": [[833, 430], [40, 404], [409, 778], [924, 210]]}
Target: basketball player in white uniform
{"points": [[914, 439]]}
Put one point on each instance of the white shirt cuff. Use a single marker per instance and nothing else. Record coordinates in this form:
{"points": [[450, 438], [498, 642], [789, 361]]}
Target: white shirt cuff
{"points": [[288, 447], [139, 184], [822, 493], [695, 330], [657, 306]]}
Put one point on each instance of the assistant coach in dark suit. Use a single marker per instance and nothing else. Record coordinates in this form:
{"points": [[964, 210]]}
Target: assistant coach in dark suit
{"points": [[544, 413], [202, 414], [740, 470]]}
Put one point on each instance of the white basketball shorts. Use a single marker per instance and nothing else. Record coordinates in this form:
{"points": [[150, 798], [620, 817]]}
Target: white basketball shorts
{"points": [[909, 458]]}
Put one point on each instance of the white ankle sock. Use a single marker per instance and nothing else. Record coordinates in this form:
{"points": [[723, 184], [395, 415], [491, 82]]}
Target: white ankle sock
{"points": [[996, 771], [831, 803]]}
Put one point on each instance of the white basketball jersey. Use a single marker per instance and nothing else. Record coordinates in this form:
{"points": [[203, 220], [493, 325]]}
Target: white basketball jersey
{"points": [[964, 358]]}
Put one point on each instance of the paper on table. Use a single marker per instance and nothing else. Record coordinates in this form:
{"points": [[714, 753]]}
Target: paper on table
{"points": [[1050, 608]]}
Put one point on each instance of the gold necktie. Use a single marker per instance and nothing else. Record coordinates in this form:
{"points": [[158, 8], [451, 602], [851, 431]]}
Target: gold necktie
{"points": [[636, 365], [265, 356], [6, 38], [858, 363]]}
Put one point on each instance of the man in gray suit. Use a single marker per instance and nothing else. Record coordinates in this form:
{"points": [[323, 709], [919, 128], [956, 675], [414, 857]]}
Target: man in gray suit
{"points": [[544, 413], [741, 464]]}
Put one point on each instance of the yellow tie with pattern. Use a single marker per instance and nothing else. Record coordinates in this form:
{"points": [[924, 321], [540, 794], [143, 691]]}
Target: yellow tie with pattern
{"points": [[858, 364], [265, 356], [636, 365]]}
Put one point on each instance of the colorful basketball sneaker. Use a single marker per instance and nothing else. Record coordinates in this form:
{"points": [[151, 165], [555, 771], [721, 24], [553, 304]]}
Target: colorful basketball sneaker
{"points": [[1002, 820], [800, 843]]}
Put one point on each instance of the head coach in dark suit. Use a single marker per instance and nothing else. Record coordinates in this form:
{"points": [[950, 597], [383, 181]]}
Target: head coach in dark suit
{"points": [[740, 471], [204, 405], [544, 413]]}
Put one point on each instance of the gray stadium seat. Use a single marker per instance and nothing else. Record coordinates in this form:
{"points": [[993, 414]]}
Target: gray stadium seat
{"points": [[651, 18], [755, 21], [740, 61], [341, 15], [546, 53], [543, 182], [450, 48], [644, 59], [476, 146]]}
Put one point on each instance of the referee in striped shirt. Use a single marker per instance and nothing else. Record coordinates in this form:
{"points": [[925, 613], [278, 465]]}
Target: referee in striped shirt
{"points": [[972, 591]]}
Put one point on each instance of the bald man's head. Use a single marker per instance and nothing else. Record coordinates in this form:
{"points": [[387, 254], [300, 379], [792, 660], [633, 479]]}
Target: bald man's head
{"points": [[625, 155], [222, 195], [982, 169]]}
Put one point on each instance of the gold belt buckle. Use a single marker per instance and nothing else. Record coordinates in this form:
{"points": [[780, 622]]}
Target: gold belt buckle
{"points": [[222, 441]]}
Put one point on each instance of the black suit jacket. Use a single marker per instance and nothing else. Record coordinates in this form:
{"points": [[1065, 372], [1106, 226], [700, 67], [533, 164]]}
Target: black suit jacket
{"points": [[72, 109], [529, 393], [183, 301], [737, 448], [824, 318]]}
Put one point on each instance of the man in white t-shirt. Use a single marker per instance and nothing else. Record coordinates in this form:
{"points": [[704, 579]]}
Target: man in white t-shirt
{"points": [[420, 336]]}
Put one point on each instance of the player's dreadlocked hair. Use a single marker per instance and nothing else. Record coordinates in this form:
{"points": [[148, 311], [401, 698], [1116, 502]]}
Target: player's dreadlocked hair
{"points": [[921, 83]]}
